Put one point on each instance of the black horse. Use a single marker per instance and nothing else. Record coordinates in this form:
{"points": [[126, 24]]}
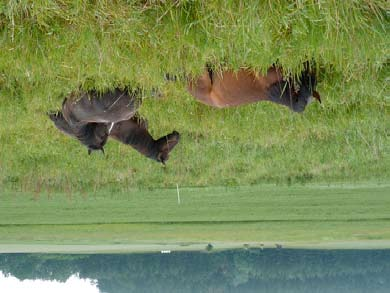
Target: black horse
{"points": [[93, 117]]}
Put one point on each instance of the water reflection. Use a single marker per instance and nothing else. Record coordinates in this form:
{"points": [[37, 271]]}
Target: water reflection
{"points": [[10, 284], [268, 270]]}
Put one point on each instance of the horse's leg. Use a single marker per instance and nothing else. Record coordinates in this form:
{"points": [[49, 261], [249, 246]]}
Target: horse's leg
{"points": [[134, 133], [170, 77], [210, 72]]}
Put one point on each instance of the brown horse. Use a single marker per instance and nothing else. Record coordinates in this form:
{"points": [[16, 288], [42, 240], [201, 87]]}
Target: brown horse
{"points": [[228, 88], [92, 118]]}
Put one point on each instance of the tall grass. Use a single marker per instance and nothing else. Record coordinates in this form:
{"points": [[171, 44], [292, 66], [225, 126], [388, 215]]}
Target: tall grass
{"points": [[49, 48]]}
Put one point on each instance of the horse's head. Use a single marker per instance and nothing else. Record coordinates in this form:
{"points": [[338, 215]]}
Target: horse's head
{"points": [[165, 145]]}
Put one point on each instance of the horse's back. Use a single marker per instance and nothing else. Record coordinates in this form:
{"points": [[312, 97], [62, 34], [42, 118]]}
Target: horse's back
{"points": [[229, 88], [92, 106]]}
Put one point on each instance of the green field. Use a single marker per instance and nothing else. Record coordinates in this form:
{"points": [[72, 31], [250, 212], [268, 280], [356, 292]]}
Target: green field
{"points": [[253, 173], [52, 47], [295, 216]]}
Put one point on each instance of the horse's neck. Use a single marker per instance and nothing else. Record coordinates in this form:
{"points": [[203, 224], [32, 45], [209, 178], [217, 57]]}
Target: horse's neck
{"points": [[132, 133]]}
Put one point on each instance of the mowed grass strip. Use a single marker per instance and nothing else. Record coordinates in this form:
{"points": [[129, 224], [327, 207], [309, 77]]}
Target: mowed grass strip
{"points": [[291, 231], [249, 213]]}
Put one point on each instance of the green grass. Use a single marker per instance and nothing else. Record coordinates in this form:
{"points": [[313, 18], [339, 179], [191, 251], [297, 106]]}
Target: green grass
{"points": [[50, 48], [259, 213]]}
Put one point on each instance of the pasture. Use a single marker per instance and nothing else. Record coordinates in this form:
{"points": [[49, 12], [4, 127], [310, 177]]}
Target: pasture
{"points": [[274, 165], [295, 216], [51, 48]]}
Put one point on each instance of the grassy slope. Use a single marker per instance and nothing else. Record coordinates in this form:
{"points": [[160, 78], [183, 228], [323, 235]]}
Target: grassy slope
{"points": [[50, 48], [260, 213]]}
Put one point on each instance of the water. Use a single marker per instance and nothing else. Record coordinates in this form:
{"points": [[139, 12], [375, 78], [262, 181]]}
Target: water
{"points": [[268, 270]]}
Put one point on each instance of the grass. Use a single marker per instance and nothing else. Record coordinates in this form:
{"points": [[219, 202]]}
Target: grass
{"points": [[50, 48], [300, 214]]}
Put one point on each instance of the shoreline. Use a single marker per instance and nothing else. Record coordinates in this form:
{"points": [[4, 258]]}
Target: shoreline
{"points": [[171, 247]]}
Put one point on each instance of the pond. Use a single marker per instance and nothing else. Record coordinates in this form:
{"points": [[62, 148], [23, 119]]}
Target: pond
{"points": [[243, 270]]}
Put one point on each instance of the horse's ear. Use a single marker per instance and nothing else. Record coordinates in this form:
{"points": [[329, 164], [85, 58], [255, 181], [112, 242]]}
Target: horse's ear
{"points": [[317, 96]]}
